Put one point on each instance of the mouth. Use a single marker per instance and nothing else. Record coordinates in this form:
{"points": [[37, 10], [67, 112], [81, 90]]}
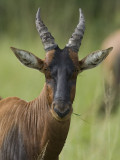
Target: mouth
{"points": [[61, 112]]}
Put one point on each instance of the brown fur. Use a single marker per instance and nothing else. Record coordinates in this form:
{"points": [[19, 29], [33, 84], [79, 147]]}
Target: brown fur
{"points": [[74, 57], [36, 125], [72, 93], [35, 121], [49, 94], [49, 57], [48, 60]]}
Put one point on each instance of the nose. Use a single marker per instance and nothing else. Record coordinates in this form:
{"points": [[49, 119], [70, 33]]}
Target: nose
{"points": [[61, 114], [61, 109]]}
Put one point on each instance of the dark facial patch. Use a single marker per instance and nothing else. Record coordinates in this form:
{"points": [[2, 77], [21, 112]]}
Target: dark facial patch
{"points": [[61, 75]]}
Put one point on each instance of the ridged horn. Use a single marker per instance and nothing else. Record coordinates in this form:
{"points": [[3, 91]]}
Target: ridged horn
{"points": [[46, 37], [76, 38]]}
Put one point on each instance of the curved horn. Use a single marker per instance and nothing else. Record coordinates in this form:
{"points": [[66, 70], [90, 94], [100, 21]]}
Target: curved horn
{"points": [[76, 38], [46, 37]]}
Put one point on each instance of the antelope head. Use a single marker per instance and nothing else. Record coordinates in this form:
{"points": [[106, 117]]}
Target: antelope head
{"points": [[61, 66]]}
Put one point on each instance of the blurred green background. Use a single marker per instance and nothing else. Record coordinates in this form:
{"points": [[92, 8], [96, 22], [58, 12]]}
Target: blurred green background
{"points": [[91, 137]]}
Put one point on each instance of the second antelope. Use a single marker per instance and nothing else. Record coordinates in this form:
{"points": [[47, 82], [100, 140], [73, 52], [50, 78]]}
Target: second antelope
{"points": [[111, 68], [38, 129]]}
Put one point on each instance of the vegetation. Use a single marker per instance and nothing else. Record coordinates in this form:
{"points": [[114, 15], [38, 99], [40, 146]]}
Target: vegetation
{"points": [[91, 137]]}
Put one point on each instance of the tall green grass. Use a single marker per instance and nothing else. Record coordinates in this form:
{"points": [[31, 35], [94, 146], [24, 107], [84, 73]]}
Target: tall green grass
{"points": [[90, 137]]}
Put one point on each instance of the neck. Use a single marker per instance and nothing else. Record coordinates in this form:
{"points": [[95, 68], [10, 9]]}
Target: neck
{"points": [[52, 132], [40, 104]]}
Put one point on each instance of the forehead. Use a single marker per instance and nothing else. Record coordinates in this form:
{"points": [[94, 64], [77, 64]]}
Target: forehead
{"points": [[65, 57]]}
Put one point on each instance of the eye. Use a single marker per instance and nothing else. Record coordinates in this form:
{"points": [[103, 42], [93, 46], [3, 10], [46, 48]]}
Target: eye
{"points": [[76, 70], [46, 68]]}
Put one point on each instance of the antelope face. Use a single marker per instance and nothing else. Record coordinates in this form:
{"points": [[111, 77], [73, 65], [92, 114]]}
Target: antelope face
{"points": [[61, 67]]}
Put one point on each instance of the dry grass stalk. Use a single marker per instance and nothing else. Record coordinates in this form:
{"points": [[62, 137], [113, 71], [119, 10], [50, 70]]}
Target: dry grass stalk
{"points": [[42, 155]]}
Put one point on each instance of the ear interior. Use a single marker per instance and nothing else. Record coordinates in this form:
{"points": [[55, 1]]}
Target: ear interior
{"points": [[94, 59], [28, 59]]}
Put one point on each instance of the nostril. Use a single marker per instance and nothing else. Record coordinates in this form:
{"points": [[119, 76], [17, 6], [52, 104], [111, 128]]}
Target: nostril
{"points": [[61, 114]]}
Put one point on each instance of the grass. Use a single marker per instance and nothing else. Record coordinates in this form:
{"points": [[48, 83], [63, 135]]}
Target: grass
{"points": [[96, 140], [42, 155], [90, 137]]}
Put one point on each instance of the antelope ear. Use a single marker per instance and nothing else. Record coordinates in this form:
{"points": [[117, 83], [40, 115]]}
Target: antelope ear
{"points": [[94, 59], [28, 59]]}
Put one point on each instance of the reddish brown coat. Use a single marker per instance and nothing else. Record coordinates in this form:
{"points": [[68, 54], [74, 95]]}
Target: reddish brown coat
{"points": [[35, 124]]}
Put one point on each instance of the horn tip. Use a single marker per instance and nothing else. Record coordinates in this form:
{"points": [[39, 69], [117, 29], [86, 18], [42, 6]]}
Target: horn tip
{"points": [[39, 9], [38, 13], [80, 10], [81, 13]]}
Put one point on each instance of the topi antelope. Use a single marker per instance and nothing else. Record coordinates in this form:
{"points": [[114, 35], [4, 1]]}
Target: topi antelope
{"points": [[111, 68], [29, 130]]}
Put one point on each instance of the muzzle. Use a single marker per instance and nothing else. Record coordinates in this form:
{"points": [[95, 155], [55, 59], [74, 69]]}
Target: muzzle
{"points": [[61, 110]]}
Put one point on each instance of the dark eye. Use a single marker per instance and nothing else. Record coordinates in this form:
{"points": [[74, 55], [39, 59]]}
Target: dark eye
{"points": [[46, 68], [76, 70]]}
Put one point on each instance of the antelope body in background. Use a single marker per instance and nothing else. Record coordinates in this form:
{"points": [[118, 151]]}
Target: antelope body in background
{"points": [[111, 70], [29, 129]]}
